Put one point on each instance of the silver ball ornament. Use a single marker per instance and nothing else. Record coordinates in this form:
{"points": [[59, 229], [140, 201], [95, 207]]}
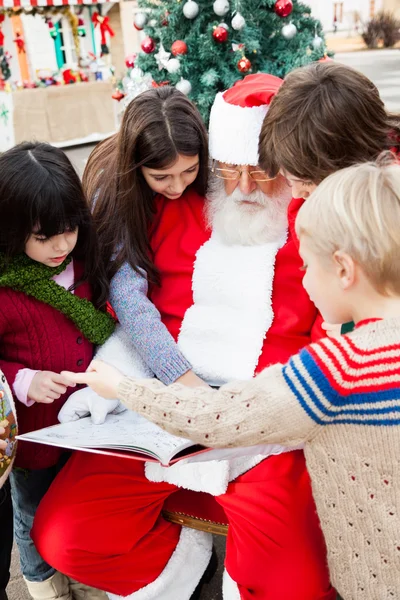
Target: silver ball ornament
{"points": [[184, 86], [289, 31], [221, 7], [224, 25], [190, 9], [317, 42], [238, 22], [140, 20], [173, 65]]}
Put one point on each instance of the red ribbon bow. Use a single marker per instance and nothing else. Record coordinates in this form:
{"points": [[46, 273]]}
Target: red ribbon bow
{"points": [[104, 24]]}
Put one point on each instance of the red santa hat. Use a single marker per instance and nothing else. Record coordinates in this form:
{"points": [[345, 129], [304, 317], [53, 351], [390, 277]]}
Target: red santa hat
{"points": [[237, 116]]}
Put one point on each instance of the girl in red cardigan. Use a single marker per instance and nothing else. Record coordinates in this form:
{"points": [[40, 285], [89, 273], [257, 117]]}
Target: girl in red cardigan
{"points": [[53, 292]]}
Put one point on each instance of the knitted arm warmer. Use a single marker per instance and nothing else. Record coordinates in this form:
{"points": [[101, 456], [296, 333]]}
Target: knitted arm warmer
{"points": [[142, 322]]}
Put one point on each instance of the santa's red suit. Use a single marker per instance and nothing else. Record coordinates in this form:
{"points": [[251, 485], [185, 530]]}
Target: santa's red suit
{"points": [[233, 309], [100, 523]]}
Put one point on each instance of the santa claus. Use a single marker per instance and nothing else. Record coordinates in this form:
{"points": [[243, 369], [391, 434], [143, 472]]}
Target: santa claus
{"points": [[238, 306]]}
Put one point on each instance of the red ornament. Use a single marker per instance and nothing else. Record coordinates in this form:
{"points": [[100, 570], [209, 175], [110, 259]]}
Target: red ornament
{"points": [[165, 21], [130, 61], [283, 8], [179, 47], [154, 84], [244, 65], [2, 17], [220, 34], [148, 45], [118, 95]]}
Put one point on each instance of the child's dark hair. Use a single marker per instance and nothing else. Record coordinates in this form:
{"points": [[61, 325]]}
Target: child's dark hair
{"points": [[40, 191], [157, 126], [325, 117]]}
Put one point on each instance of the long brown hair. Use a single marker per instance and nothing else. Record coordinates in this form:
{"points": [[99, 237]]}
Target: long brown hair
{"points": [[157, 126], [325, 117]]}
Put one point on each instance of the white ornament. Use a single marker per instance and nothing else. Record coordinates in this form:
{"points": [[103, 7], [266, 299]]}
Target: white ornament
{"points": [[289, 31], [184, 86], [221, 7], [173, 65], [153, 23], [140, 20], [190, 9], [162, 58], [136, 74], [238, 22], [317, 42], [224, 25]]}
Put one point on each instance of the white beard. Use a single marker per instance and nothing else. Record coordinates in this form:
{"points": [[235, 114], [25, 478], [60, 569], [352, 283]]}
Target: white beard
{"points": [[262, 221]]}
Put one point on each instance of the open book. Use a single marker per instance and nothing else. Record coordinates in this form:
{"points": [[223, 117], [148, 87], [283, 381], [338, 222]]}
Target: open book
{"points": [[126, 434]]}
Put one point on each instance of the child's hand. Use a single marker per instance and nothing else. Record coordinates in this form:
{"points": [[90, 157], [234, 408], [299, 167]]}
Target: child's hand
{"points": [[47, 386], [3, 425], [102, 378], [190, 379], [332, 330]]}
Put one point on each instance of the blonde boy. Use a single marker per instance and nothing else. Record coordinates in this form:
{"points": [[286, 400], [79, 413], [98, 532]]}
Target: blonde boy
{"points": [[340, 397]]}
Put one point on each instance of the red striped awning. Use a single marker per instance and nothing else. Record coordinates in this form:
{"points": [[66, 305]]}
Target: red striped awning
{"points": [[43, 3]]}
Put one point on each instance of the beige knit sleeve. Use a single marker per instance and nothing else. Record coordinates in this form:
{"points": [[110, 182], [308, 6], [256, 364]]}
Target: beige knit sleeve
{"points": [[263, 410]]}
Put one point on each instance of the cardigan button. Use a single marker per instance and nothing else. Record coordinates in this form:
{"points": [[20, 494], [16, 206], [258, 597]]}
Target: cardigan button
{"points": [[79, 362], [79, 340]]}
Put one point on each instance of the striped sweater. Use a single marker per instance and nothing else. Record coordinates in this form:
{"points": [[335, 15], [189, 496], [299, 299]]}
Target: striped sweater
{"points": [[341, 399]]}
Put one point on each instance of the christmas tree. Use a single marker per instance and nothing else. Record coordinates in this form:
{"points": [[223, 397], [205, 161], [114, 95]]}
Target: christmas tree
{"points": [[203, 47]]}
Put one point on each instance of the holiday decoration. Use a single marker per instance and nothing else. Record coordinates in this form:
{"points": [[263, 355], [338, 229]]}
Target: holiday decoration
{"points": [[283, 8], [317, 42], [130, 61], [104, 24], [52, 29], [81, 27], [221, 7], [184, 86], [19, 40], [148, 45], [173, 65], [140, 21], [162, 57], [4, 64], [289, 31], [220, 34], [179, 47], [238, 22], [218, 42], [244, 65], [190, 9], [118, 95]]}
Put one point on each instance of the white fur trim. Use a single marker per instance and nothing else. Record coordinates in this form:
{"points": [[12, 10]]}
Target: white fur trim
{"points": [[230, 590], [182, 572], [211, 477], [120, 352], [234, 132], [222, 333]]}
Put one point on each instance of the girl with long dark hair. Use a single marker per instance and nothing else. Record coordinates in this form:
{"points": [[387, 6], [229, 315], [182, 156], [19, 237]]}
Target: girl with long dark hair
{"points": [[53, 291]]}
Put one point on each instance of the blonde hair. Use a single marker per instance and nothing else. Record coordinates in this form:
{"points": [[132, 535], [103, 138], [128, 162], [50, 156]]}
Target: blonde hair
{"points": [[357, 210]]}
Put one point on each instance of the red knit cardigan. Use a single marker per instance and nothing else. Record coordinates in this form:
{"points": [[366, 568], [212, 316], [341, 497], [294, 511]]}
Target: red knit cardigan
{"points": [[34, 335]]}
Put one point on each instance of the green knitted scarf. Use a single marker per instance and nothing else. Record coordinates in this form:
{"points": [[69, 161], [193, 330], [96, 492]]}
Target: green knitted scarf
{"points": [[35, 279]]}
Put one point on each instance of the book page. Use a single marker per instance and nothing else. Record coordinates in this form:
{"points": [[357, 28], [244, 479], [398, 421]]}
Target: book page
{"points": [[125, 431]]}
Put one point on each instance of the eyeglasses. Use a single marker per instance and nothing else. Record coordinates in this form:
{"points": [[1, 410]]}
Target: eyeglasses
{"points": [[234, 174]]}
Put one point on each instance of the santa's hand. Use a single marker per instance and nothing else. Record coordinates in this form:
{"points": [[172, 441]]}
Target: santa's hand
{"points": [[86, 402], [102, 378]]}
